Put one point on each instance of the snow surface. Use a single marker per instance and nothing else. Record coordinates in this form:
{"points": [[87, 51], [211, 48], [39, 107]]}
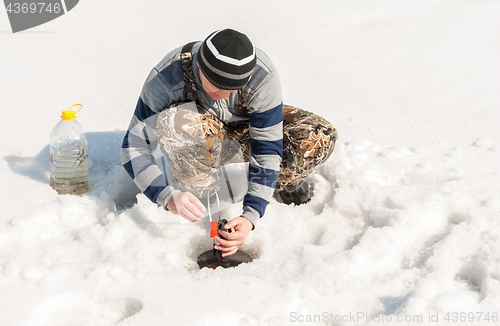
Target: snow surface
{"points": [[405, 222]]}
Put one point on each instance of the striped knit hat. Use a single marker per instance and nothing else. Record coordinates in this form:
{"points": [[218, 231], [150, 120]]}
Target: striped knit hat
{"points": [[227, 58]]}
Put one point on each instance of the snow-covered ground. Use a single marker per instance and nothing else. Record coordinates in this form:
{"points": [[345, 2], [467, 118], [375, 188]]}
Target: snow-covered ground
{"points": [[404, 228]]}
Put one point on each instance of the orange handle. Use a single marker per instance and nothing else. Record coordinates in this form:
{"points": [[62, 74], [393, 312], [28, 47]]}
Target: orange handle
{"points": [[213, 229]]}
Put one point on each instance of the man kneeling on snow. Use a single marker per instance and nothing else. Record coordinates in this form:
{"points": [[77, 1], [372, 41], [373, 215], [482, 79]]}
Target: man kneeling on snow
{"points": [[198, 102]]}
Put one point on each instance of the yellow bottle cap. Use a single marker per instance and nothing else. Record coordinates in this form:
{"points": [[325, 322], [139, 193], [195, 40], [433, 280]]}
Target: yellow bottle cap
{"points": [[70, 115]]}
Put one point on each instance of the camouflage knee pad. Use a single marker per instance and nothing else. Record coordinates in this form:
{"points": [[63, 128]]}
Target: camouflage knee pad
{"points": [[308, 141]]}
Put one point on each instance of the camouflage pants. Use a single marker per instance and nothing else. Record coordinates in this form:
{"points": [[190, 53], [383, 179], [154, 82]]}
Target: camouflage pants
{"points": [[196, 144]]}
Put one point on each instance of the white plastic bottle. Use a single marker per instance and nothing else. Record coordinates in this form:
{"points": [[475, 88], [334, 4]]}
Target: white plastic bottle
{"points": [[68, 155]]}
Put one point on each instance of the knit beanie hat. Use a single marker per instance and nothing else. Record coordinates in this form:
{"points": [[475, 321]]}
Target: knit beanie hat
{"points": [[227, 58]]}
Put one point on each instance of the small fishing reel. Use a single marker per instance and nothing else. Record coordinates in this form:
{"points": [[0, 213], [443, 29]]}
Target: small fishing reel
{"points": [[213, 258]]}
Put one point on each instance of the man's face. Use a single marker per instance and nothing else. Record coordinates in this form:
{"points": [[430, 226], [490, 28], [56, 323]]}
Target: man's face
{"points": [[213, 91]]}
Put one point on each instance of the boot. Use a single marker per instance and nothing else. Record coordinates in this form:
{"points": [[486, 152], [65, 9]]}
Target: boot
{"points": [[298, 194]]}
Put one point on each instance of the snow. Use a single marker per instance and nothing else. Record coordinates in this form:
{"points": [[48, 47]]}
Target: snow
{"points": [[405, 220]]}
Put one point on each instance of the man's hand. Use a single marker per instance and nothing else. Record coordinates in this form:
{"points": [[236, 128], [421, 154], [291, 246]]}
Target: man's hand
{"points": [[235, 240], [186, 205]]}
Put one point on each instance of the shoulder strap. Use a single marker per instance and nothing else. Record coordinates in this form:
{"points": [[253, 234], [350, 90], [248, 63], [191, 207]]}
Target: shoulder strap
{"points": [[187, 68], [188, 47], [241, 106]]}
